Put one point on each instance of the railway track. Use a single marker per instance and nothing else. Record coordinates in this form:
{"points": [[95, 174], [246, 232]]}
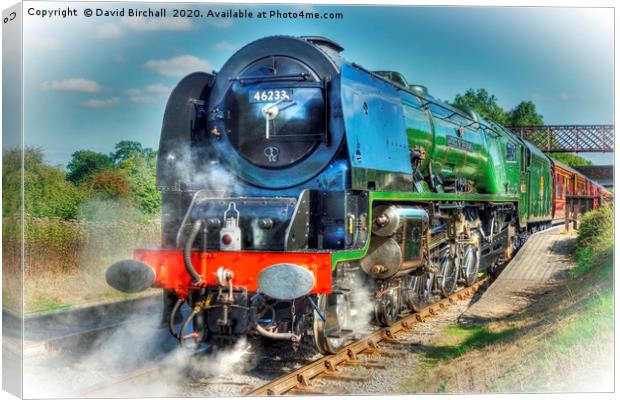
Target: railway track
{"points": [[299, 381]]}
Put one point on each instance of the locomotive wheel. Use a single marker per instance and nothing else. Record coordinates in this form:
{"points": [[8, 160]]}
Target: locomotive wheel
{"points": [[516, 244], [417, 290], [386, 309], [470, 263], [449, 268], [330, 334]]}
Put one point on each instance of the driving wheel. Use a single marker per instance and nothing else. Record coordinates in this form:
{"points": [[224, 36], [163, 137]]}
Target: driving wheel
{"points": [[332, 322]]}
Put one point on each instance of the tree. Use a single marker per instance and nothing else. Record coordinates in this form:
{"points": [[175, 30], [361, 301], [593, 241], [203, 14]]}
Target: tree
{"points": [[524, 114], [140, 170], [85, 163], [125, 149], [483, 103], [46, 191], [572, 160], [109, 184]]}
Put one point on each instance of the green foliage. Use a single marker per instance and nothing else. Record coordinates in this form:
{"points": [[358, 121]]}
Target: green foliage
{"points": [[86, 163], [141, 175], [524, 114], [596, 228], [572, 160], [46, 191], [594, 250], [483, 103], [125, 149], [127, 187]]}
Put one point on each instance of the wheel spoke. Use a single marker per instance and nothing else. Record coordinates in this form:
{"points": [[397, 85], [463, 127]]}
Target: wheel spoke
{"points": [[471, 263], [449, 272], [386, 309]]}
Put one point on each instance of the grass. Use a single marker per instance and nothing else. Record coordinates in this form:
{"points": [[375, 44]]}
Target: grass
{"points": [[64, 261], [467, 338], [573, 354], [596, 318], [46, 304], [561, 342]]}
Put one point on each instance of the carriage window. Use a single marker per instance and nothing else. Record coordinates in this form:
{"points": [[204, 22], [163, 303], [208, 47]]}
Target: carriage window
{"points": [[511, 152]]}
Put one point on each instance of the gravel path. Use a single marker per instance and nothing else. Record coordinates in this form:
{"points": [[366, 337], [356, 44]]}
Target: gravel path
{"points": [[402, 361]]}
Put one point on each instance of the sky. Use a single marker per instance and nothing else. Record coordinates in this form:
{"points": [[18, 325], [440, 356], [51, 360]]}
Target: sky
{"points": [[91, 82]]}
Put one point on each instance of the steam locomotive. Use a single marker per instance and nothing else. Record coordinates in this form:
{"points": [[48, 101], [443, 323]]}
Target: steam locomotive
{"points": [[293, 180]]}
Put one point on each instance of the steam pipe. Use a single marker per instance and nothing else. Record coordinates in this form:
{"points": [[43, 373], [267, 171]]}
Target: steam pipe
{"points": [[187, 252], [276, 335], [189, 318], [267, 307], [173, 314]]}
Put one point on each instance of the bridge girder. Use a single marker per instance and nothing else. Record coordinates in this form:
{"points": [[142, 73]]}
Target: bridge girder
{"points": [[569, 138]]}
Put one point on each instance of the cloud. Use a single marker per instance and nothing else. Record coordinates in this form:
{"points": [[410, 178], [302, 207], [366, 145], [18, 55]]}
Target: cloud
{"points": [[72, 85], [225, 45], [44, 43], [158, 88], [150, 94], [100, 103], [222, 23], [157, 24], [109, 31], [114, 31], [178, 66]]}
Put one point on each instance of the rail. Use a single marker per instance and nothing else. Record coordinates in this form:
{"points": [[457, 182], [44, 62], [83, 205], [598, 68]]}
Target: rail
{"points": [[301, 377]]}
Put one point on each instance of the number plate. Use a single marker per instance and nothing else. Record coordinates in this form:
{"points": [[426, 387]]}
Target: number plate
{"points": [[270, 95]]}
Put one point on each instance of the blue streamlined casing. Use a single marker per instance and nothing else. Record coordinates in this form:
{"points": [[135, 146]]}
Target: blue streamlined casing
{"points": [[374, 122]]}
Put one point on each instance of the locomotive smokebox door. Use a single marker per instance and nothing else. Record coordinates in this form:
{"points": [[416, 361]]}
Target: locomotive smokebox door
{"points": [[230, 234]]}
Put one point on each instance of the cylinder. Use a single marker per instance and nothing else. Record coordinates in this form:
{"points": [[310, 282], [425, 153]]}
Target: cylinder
{"points": [[396, 244], [384, 258], [389, 219]]}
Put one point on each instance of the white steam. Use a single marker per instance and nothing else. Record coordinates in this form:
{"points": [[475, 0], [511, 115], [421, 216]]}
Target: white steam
{"points": [[140, 345], [362, 305]]}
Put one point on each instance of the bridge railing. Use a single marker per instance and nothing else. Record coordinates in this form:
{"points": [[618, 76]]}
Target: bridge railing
{"points": [[569, 138]]}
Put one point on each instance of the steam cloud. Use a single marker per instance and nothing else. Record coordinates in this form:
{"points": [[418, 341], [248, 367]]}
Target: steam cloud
{"points": [[362, 305], [137, 345]]}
